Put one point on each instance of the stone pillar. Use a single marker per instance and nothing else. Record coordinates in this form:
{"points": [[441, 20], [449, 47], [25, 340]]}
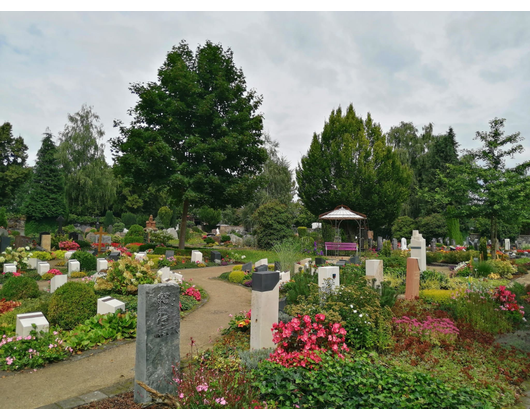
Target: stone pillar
{"points": [[374, 273], [157, 339], [265, 307], [507, 246], [417, 249], [412, 287]]}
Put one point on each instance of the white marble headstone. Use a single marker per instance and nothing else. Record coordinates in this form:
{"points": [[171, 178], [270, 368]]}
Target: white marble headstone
{"points": [[73, 266], [32, 263], [57, 281], [10, 268], [140, 256], [404, 244], [24, 322], [374, 273], [101, 264], [196, 256], [263, 261], [329, 274], [43, 267], [68, 255], [109, 304]]}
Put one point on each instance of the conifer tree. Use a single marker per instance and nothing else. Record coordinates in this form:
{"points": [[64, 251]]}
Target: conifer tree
{"points": [[46, 198]]}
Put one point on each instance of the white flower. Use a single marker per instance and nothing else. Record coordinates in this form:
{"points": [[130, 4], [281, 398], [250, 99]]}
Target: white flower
{"points": [[27, 248], [360, 315], [9, 248]]}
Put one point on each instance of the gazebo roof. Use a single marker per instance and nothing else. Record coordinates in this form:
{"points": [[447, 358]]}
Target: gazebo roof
{"points": [[342, 213]]}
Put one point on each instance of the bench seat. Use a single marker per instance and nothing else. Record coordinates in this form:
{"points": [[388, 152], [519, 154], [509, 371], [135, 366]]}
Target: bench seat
{"points": [[340, 246]]}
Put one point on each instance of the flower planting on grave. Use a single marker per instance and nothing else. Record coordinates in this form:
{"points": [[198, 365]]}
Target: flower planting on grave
{"points": [[124, 276], [17, 256]]}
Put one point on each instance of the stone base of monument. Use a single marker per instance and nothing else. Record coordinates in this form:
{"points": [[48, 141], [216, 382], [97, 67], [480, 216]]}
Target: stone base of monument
{"points": [[110, 305]]}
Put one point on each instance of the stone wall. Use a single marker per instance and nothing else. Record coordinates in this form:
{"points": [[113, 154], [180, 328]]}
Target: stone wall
{"points": [[17, 224]]}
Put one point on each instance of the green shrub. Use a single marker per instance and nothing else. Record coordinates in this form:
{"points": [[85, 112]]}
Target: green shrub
{"points": [[165, 214], [128, 219], [483, 248], [88, 262], [225, 238], [109, 219], [17, 288], [84, 244], [436, 296], [3, 217], [72, 304], [302, 231], [187, 302], [42, 255], [133, 240], [403, 227], [434, 280], [208, 240], [273, 221], [118, 227], [483, 268], [236, 277], [387, 249], [135, 230]]}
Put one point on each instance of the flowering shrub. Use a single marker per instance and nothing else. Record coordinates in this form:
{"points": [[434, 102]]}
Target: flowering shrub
{"points": [[239, 322], [302, 339], [69, 246], [55, 272], [508, 303], [192, 291], [19, 256], [124, 276], [434, 330], [32, 351]]}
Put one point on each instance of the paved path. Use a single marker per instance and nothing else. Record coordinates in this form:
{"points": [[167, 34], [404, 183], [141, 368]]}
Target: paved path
{"points": [[95, 370]]}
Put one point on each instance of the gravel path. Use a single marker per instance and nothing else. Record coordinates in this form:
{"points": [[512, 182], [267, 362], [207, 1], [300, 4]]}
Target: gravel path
{"points": [[102, 368]]}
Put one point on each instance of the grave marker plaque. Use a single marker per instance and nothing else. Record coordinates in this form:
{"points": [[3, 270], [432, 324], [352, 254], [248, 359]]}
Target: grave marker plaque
{"points": [[170, 254], [5, 241], [157, 339], [25, 322], [247, 267], [216, 257]]}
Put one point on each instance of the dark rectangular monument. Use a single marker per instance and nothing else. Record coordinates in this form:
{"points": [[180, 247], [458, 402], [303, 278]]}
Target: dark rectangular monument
{"points": [[216, 257], [157, 339]]}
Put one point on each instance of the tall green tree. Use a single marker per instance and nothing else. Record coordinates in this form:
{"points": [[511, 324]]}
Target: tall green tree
{"points": [[90, 187], [46, 197], [196, 132], [350, 163], [494, 192], [13, 169]]}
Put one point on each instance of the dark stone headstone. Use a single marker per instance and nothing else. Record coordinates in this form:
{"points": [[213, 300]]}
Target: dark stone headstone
{"points": [[170, 254], [109, 229], [262, 268], [340, 263], [114, 255], [320, 261], [447, 241], [5, 241], [355, 260], [453, 242], [433, 245], [440, 241], [282, 303], [265, 281], [22, 241], [93, 252], [157, 339], [73, 236], [215, 256], [247, 267], [277, 266], [60, 221]]}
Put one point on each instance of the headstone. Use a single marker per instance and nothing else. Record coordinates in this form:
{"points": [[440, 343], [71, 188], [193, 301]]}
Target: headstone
{"points": [[196, 256], [507, 245], [22, 241], [328, 277], [3, 232], [263, 261], [394, 244], [374, 273], [370, 243], [109, 305], [157, 339], [115, 255], [170, 254], [32, 263], [140, 256], [9, 268], [489, 242], [25, 322], [412, 286], [355, 260], [60, 221], [93, 252], [262, 268], [316, 225], [166, 276], [216, 257], [285, 277], [433, 245], [5, 241], [404, 244], [43, 267], [340, 263], [173, 233], [277, 266], [320, 261], [46, 241], [379, 243], [447, 242], [68, 255], [101, 264], [110, 229], [73, 267], [264, 308], [453, 242], [57, 281], [440, 241], [417, 249], [73, 236], [305, 261], [247, 268]]}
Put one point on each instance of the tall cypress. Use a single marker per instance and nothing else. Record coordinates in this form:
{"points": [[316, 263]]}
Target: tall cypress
{"points": [[46, 198]]}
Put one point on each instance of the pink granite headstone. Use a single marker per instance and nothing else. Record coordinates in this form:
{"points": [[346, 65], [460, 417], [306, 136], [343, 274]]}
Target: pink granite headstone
{"points": [[412, 286]]}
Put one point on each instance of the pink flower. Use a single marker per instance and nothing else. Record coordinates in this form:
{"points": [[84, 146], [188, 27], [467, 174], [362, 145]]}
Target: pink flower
{"points": [[220, 401]]}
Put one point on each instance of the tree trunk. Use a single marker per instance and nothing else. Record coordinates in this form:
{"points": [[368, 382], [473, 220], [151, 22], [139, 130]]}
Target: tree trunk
{"points": [[183, 222], [493, 238]]}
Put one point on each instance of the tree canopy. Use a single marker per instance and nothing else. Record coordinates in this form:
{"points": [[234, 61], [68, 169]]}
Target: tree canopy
{"points": [[350, 163], [89, 186], [196, 132]]}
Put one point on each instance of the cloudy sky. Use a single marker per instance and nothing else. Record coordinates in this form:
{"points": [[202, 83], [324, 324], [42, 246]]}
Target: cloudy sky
{"points": [[458, 69]]}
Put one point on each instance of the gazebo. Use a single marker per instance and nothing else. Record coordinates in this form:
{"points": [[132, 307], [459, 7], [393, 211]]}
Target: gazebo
{"points": [[341, 213]]}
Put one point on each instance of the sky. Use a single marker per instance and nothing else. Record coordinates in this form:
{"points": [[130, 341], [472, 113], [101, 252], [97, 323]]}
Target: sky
{"points": [[449, 68]]}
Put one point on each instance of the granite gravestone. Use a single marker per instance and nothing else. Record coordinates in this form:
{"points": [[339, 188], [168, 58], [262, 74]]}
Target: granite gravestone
{"points": [[170, 254], [5, 241], [379, 243], [433, 245], [22, 241], [394, 244], [114, 255], [3, 232], [215, 256], [157, 339], [320, 261], [277, 266], [247, 268], [46, 241]]}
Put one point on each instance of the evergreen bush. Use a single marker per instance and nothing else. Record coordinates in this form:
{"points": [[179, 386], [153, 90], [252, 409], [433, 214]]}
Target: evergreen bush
{"points": [[128, 219], [72, 304], [87, 261], [17, 288]]}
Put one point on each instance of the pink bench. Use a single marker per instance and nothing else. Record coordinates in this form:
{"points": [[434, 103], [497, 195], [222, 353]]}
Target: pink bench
{"points": [[340, 246]]}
